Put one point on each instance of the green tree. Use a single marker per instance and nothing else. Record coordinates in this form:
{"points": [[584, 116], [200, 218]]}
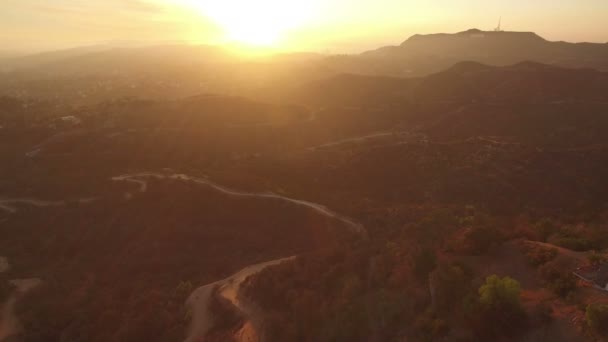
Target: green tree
{"points": [[500, 312], [500, 292]]}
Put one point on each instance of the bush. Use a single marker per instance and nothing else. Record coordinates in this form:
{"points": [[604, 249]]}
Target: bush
{"points": [[451, 283], [597, 318], [544, 229], [574, 243], [596, 258], [480, 239], [543, 313], [558, 279], [429, 327], [538, 255], [424, 263]]}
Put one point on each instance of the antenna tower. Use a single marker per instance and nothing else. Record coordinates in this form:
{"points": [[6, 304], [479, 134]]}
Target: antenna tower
{"points": [[499, 27]]}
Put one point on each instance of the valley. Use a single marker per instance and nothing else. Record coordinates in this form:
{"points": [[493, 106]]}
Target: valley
{"points": [[364, 197]]}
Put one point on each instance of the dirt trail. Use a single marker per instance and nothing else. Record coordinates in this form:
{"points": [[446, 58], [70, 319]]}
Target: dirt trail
{"points": [[203, 319], [580, 256], [352, 140], [199, 301], [9, 322], [10, 205], [139, 178], [406, 136]]}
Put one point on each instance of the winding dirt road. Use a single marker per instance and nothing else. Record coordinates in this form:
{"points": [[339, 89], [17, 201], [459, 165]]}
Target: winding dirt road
{"points": [[10, 205], [352, 140], [203, 319], [199, 301], [9, 322], [139, 178]]}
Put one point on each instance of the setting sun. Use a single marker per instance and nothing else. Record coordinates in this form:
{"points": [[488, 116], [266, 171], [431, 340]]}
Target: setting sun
{"points": [[260, 23]]}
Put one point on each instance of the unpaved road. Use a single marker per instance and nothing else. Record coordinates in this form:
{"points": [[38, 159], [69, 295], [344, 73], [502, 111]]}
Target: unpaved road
{"points": [[139, 178], [10, 205], [579, 256], [199, 301], [9, 322], [362, 138], [202, 318]]}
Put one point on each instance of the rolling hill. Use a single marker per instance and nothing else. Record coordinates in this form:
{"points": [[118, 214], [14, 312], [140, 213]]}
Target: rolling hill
{"points": [[424, 54]]}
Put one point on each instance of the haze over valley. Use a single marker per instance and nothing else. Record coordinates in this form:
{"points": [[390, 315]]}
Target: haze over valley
{"points": [[447, 188]]}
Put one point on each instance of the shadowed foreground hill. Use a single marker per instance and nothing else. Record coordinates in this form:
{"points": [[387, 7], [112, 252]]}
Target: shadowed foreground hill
{"points": [[522, 82]]}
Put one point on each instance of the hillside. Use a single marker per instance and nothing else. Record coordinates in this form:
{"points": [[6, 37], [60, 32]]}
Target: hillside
{"points": [[365, 178], [423, 54], [94, 74]]}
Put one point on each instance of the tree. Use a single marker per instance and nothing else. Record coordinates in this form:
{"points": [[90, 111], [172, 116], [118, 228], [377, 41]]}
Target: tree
{"points": [[596, 258], [557, 278], [500, 312], [538, 255], [424, 262], [544, 228], [597, 318], [451, 283], [500, 293], [480, 239]]}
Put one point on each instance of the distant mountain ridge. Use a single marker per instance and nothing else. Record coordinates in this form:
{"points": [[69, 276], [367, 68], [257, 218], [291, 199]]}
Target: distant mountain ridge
{"points": [[476, 33], [465, 82], [418, 55], [177, 70], [424, 54]]}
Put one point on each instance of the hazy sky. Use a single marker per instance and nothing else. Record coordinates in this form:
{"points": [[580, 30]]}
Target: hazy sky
{"points": [[320, 25]]}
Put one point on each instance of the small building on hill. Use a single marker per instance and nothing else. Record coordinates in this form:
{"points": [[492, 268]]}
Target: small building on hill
{"points": [[595, 275]]}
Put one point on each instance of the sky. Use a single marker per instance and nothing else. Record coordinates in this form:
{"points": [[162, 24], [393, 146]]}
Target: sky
{"points": [[306, 25]]}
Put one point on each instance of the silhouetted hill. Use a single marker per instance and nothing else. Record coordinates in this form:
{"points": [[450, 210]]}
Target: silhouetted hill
{"points": [[354, 90], [94, 74], [464, 82], [422, 54], [522, 82]]}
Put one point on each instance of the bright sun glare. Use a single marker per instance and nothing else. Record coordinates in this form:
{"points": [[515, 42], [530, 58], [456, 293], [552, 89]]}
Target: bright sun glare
{"points": [[255, 22]]}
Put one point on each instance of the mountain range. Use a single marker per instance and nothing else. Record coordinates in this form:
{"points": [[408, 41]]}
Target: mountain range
{"points": [[423, 54], [420, 54]]}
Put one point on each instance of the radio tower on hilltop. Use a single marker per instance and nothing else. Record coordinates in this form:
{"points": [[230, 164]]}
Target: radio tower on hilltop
{"points": [[499, 27]]}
